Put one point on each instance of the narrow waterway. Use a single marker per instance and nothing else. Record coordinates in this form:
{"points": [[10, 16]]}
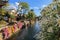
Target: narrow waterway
{"points": [[28, 34]]}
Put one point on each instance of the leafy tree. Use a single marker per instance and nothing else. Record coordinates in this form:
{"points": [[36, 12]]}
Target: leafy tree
{"points": [[31, 14], [50, 22], [23, 6], [3, 10]]}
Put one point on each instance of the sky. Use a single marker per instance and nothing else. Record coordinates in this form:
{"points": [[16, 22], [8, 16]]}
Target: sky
{"points": [[33, 4]]}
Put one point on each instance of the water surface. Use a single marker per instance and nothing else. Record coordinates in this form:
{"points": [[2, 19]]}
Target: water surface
{"points": [[29, 33]]}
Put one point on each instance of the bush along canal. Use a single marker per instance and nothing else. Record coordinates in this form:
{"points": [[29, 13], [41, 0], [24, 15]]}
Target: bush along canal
{"points": [[19, 31], [27, 34]]}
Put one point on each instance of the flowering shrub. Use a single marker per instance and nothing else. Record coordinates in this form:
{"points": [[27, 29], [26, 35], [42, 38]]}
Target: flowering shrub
{"points": [[50, 23]]}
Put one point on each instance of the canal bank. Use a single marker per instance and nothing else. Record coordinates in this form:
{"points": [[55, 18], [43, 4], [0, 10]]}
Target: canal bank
{"points": [[29, 33]]}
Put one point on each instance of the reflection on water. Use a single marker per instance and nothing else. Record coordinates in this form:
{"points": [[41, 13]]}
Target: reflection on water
{"points": [[27, 34]]}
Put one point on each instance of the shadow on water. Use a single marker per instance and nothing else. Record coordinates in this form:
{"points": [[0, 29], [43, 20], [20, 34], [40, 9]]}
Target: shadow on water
{"points": [[28, 34]]}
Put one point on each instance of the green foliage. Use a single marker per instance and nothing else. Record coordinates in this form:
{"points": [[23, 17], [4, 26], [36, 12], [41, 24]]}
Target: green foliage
{"points": [[12, 16], [50, 22], [3, 11], [31, 14], [23, 6]]}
